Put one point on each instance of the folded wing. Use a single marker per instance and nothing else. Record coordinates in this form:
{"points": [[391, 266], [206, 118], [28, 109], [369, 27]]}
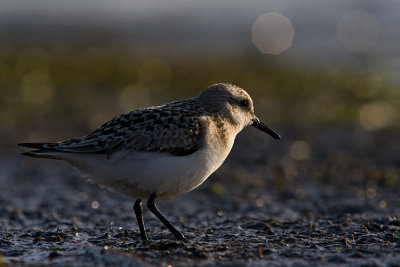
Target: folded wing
{"points": [[164, 129]]}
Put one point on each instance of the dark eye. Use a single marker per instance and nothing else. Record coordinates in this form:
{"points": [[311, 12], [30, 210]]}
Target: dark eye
{"points": [[244, 103]]}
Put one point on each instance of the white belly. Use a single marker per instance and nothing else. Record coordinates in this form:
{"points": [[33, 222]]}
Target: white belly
{"points": [[139, 174]]}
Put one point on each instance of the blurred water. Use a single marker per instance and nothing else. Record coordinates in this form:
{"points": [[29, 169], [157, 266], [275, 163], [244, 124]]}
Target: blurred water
{"points": [[205, 24], [62, 59]]}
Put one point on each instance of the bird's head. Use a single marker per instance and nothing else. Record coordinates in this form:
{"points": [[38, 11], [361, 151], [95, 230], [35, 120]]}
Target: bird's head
{"points": [[235, 104]]}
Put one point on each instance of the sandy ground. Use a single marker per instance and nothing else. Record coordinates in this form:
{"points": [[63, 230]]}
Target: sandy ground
{"points": [[339, 206]]}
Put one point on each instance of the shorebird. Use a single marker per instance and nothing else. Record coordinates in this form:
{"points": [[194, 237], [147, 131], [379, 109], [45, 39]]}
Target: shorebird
{"points": [[160, 151]]}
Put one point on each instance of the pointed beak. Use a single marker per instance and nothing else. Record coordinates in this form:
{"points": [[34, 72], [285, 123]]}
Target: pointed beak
{"points": [[261, 126]]}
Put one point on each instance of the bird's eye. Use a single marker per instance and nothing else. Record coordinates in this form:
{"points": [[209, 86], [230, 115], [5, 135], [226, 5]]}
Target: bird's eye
{"points": [[244, 103]]}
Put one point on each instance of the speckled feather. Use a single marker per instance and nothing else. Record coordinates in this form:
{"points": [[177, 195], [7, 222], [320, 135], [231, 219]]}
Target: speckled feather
{"points": [[160, 151], [164, 150], [172, 128]]}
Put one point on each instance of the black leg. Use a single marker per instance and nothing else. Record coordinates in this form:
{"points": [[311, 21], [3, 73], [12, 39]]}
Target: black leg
{"points": [[155, 211], [137, 207]]}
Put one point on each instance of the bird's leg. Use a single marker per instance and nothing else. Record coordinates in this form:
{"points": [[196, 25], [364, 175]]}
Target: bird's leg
{"points": [[137, 207], [155, 211]]}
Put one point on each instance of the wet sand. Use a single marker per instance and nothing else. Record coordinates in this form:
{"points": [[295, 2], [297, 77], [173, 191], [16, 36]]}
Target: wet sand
{"points": [[262, 208]]}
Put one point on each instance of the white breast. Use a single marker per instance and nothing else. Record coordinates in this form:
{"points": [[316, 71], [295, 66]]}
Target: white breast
{"points": [[139, 174]]}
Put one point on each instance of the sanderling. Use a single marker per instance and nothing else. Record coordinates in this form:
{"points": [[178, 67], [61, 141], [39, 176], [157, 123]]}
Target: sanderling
{"points": [[160, 151]]}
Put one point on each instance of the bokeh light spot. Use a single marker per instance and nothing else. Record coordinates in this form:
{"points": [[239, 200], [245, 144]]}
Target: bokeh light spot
{"points": [[36, 88], [95, 204], [371, 193], [376, 115], [272, 33], [134, 96], [382, 204], [358, 31], [299, 150]]}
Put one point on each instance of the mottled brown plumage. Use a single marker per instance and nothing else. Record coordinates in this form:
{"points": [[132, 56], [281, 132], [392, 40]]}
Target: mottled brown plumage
{"points": [[160, 151], [173, 128]]}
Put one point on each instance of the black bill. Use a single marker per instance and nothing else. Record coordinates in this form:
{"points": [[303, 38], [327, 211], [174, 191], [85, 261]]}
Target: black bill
{"points": [[261, 126]]}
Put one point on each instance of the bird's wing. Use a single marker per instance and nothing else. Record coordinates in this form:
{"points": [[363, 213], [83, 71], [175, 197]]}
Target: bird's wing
{"points": [[164, 129]]}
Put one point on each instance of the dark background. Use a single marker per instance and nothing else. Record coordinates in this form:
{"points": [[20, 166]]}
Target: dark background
{"points": [[322, 74]]}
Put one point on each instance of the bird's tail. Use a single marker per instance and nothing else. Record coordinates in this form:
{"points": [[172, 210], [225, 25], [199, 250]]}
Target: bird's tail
{"points": [[41, 150]]}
